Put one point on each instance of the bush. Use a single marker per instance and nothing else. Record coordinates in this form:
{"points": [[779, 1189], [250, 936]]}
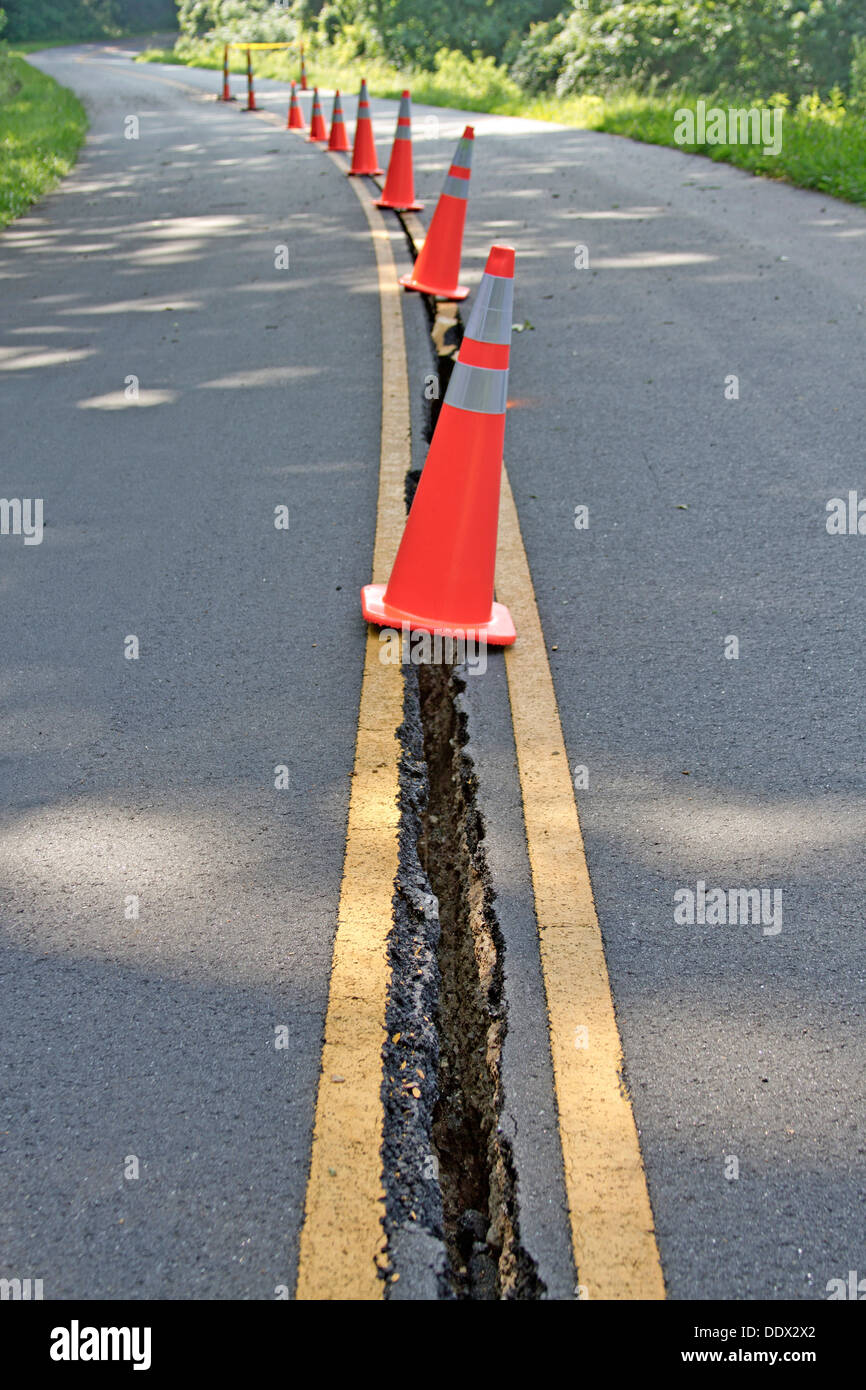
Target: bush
{"points": [[67, 19], [537, 63], [256, 21], [476, 83], [795, 46], [857, 80], [408, 33]]}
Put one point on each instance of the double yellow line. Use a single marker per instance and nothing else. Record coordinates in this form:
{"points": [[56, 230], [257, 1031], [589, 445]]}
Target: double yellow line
{"points": [[342, 1248], [342, 1241]]}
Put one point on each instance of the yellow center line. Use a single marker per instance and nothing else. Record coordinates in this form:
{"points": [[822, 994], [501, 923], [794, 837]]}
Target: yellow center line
{"points": [[614, 1244], [342, 1240]]}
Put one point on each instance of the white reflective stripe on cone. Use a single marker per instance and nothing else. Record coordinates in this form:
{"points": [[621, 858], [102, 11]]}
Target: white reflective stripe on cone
{"points": [[463, 153], [492, 312], [483, 390], [456, 188]]}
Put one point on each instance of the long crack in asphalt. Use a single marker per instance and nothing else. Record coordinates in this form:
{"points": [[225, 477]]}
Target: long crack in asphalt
{"points": [[449, 1171]]}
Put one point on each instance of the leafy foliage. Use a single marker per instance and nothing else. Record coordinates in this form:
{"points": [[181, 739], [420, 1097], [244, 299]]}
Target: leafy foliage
{"points": [[53, 19], [259, 21], [402, 31], [793, 46], [857, 83]]}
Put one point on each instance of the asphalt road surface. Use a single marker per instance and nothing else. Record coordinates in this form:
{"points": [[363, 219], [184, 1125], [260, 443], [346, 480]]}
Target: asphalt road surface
{"points": [[646, 280]]}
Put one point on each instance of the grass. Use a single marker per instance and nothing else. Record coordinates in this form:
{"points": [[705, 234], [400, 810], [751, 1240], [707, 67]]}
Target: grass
{"points": [[823, 146], [42, 127]]}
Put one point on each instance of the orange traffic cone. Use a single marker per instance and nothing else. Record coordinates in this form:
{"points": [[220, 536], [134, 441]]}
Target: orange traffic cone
{"points": [[318, 130], [227, 93], [303, 71], [399, 190], [364, 160], [442, 581], [296, 116], [251, 96], [338, 139], [437, 268]]}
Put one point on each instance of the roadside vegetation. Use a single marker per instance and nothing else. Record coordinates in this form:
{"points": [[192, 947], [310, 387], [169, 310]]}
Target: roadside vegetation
{"points": [[45, 23], [823, 144], [627, 68], [42, 126]]}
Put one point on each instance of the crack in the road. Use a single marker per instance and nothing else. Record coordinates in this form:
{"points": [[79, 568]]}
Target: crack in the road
{"points": [[449, 1168], [477, 1176]]}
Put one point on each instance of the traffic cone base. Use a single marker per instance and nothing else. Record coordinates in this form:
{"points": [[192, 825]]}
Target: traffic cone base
{"points": [[455, 292], [499, 631], [399, 207]]}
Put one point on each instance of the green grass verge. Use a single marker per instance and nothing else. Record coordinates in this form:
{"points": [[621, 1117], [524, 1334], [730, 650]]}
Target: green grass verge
{"points": [[823, 146], [42, 126]]}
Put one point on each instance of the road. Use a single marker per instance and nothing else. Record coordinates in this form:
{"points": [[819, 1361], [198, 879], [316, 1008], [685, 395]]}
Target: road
{"points": [[158, 1140]]}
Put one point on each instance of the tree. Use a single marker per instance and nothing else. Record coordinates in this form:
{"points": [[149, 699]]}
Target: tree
{"points": [[60, 19], [746, 46]]}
